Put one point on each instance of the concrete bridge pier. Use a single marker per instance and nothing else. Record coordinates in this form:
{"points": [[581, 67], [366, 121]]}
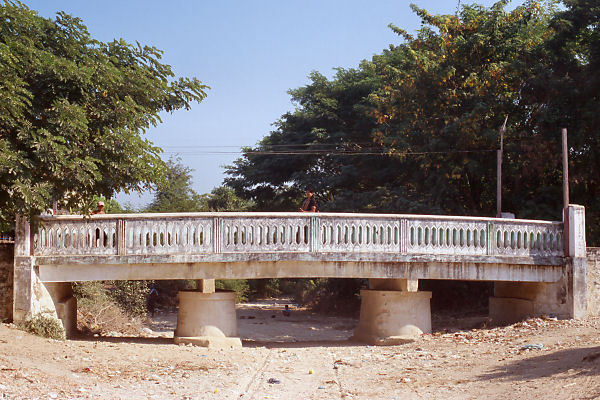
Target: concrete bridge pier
{"points": [[207, 318], [392, 312]]}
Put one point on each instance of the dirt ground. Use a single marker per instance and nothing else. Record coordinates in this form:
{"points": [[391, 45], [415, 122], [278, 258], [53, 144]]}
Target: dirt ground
{"points": [[308, 356]]}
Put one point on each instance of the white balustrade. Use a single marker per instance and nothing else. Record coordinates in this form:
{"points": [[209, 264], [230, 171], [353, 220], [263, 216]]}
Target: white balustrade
{"points": [[265, 234], [213, 233], [168, 235], [359, 233], [527, 238], [431, 235]]}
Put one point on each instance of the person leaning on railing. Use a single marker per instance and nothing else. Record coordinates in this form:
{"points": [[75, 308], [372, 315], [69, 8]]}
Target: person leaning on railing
{"points": [[99, 208], [309, 204]]}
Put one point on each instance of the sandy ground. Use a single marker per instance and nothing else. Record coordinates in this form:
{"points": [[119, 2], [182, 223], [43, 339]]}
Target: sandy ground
{"points": [[306, 356]]}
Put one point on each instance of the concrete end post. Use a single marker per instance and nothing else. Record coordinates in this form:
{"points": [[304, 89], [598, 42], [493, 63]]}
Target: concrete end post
{"points": [[23, 271], [576, 262]]}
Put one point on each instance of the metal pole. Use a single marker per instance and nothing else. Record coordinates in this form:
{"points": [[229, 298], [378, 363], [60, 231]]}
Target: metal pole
{"points": [[565, 162], [499, 171], [499, 184]]}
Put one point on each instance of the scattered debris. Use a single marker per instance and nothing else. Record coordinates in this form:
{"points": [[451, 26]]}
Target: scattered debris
{"points": [[535, 346]]}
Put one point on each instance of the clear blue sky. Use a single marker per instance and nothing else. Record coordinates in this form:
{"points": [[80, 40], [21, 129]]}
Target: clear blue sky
{"points": [[249, 52]]}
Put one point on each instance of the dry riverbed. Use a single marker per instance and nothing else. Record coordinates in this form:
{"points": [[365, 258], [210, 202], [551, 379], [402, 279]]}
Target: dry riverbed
{"points": [[308, 356]]}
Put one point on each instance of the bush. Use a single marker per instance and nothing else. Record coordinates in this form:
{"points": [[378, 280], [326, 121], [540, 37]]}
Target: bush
{"points": [[44, 326], [239, 286], [131, 296], [98, 312], [339, 296], [94, 291], [168, 290], [304, 291], [264, 288]]}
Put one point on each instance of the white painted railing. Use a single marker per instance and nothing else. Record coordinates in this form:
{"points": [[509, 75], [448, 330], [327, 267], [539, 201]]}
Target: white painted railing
{"points": [[214, 233]]}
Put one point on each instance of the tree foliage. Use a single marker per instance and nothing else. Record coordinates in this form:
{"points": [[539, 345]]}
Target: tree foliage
{"points": [[445, 94], [223, 198], [73, 111], [175, 193], [416, 128]]}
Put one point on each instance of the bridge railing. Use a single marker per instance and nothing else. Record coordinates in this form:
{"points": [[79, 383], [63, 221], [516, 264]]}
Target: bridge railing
{"points": [[213, 233]]}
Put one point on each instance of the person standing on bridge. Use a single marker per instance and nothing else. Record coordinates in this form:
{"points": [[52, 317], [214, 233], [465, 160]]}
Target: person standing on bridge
{"points": [[309, 204], [100, 208]]}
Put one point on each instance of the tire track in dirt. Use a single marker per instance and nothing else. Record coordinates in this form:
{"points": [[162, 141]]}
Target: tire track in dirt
{"points": [[253, 386]]}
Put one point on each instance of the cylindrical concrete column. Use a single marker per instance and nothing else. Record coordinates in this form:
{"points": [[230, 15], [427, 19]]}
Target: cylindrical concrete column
{"points": [[392, 317], [207, 319], [199, 310]]}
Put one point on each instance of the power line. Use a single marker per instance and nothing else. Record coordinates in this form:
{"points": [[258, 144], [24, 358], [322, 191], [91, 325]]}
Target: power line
{"points": [[324, 152]]}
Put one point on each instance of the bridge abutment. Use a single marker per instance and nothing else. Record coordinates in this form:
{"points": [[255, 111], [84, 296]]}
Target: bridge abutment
{"points": [[34, 297], [566, 298], [515, 301]]}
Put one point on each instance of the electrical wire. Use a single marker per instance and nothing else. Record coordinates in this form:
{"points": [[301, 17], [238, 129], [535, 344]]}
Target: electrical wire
{"points": [[333, 152]]}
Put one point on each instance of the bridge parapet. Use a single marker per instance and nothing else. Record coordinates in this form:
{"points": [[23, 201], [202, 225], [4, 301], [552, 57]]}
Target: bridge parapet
{"points": [[215, 233]]}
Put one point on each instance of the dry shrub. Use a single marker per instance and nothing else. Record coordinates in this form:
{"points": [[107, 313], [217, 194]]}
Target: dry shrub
{"points": [[98, 313], [106, 318]]}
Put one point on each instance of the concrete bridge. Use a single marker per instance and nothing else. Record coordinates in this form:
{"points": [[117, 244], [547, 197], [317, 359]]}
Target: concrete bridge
{"points": [[533, 270]]}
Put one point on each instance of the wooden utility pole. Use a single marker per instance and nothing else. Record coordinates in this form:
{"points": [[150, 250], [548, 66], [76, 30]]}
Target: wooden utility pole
{"points": [[499, 171]]}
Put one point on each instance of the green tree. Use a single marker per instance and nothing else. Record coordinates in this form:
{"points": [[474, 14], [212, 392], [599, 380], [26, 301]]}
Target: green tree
{"points": [[446, 93], [73, 111], [223, 198], [175, 193]]}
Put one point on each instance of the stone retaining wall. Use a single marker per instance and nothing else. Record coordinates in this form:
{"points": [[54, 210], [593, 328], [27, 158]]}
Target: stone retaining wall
{"points": [[6, 280], [593, 280]]}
